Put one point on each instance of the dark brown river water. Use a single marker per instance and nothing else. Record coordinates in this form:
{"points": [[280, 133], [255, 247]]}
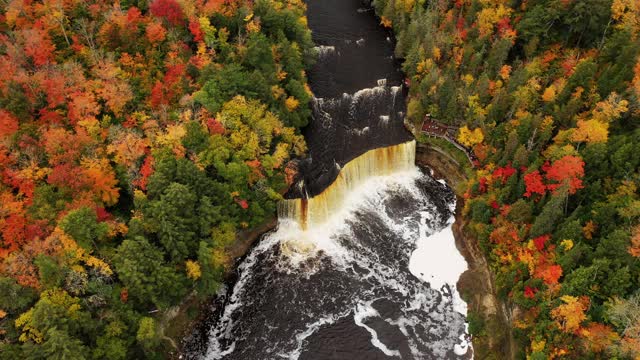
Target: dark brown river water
{"points": [[359, 102]]}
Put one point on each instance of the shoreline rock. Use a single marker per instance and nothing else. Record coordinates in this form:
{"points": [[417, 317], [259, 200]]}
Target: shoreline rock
{"points": [[189, 322]]}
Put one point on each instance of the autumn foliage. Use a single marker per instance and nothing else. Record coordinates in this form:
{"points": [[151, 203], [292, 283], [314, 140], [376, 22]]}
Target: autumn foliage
{"points": [[548, 102], [121, 188], [568, 170], [534, 184], [167, 9]]}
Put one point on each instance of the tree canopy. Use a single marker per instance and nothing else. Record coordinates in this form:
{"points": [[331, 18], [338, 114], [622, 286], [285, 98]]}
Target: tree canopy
{"points": [[546, 94], [136, 139]]}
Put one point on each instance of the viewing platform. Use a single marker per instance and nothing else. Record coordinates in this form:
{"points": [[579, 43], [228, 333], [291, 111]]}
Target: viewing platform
{"points": [[431, 127]]}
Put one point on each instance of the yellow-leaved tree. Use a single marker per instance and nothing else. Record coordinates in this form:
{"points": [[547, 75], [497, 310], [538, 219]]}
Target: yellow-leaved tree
{"points": [[469, 137], [627, 14], [193, 270], [611, 108], [549, 94], [569, 315], [490, 16], [591, 131], [101, 177]]}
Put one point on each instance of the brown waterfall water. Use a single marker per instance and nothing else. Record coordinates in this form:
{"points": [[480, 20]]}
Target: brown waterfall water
{"points": [[310, 212]]}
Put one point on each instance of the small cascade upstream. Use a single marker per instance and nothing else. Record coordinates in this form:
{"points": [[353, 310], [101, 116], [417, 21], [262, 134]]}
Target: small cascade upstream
{"points": [[363, 263], [347, 126]]}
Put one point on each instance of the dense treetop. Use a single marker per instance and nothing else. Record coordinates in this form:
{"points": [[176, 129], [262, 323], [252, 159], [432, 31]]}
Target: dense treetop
{"points": [[136, 139], [547, 94]]}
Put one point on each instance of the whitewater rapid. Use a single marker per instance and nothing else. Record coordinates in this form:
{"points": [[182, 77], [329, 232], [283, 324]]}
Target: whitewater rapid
{"points": [[376, 280]]}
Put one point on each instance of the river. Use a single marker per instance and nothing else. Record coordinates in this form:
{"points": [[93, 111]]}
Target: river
{"points": [[363, 263]]}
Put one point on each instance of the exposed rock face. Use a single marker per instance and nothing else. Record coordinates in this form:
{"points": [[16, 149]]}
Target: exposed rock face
{"points": [[477, 284]]}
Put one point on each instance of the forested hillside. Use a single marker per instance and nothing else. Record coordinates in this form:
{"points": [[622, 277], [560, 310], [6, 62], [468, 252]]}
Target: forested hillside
{"points": [[546, 93], [136, 139]]}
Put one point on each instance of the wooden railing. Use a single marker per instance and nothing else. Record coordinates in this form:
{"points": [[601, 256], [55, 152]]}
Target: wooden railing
{"points": [[431, 127]]}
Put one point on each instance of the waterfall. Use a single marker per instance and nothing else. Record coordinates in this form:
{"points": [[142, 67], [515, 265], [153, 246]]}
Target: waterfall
{"points": [[372, 275], [363, 263], [315, 211]]}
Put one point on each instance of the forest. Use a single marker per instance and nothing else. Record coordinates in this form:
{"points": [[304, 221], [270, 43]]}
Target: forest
{"points": [[136, 139], [546, 93]]}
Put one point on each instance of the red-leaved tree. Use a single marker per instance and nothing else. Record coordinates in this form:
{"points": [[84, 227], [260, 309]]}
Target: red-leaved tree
{"points": [[534, 184], [168, 9], [567, 170]]}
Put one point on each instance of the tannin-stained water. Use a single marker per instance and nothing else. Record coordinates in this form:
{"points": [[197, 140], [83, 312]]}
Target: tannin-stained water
{"points": [[360, 290], [314, 211], [359, 103], [363, 262]]}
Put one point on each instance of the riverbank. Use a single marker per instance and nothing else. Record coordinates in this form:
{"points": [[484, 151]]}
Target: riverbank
{"points": [[185, 327], [489, 317]]}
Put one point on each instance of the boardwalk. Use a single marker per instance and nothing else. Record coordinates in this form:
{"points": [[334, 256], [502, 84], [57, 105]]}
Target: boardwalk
{"points": [[431, 127]]}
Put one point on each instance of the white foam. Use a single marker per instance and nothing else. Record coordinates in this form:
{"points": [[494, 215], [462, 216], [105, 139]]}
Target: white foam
{"points": [[325, 50], [310, 330], [403, 323], [364, 311], [464, 345], [437, 261]]}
